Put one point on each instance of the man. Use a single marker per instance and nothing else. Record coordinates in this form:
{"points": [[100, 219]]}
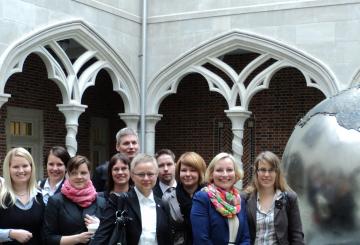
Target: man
{"points": [[166, 179], [127, 142]]}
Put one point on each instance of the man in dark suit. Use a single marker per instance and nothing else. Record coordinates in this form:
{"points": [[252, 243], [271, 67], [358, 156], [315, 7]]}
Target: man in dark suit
{"points": [[127, 142], [141, 205], [166, 180]]}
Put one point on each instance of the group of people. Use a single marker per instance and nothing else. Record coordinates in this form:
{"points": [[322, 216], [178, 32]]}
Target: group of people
{"points": [[165, 202]]}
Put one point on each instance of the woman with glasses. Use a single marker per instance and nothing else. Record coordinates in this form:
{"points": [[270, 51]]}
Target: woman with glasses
{"points": [[272, 207], [218, 213], [147, 216], [118, 176]]}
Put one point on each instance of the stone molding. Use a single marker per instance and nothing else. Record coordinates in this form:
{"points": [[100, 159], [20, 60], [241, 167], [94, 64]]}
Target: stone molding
{"points": [[316, 74], [72, 88]]}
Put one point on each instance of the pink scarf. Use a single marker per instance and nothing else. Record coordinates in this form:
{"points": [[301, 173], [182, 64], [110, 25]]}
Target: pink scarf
{"points": [[83, 197]]}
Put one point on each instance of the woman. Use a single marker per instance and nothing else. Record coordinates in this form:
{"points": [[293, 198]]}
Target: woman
{"points": [[57, 159], [21, 205], [272, 207], [189, 173], [118, 175], [69, 212], [148, 218], [218, 214]]}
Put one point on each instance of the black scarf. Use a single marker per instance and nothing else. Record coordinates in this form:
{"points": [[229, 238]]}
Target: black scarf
{"points": [[185, 201]]}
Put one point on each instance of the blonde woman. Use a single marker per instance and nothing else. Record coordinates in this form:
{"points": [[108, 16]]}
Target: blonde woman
{"points": [[218, 214], [272, 207], [21, 205]]}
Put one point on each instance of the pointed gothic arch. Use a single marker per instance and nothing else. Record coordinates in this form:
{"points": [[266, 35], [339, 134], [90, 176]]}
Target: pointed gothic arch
{"points": [[166, 81], [65, 75]]}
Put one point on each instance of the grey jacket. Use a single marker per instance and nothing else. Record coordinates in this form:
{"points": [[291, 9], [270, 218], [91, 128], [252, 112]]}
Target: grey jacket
{"points": [[287, 221]]}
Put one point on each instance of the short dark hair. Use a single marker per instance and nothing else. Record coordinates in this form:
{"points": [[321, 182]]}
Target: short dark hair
{"points": [[76, 161], [165, 152], [59, 152]]}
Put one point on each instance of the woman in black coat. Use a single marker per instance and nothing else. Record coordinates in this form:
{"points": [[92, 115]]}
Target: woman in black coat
{"points": [[144, 172], [68, 213]]}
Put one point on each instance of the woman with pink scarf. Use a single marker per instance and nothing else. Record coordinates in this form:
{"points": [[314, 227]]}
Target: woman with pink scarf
{"points": [[68, 213]]}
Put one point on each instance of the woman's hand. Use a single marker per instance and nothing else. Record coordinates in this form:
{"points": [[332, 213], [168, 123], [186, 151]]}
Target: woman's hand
{"points": [[22, 236], [84, 237], [91, 220]]}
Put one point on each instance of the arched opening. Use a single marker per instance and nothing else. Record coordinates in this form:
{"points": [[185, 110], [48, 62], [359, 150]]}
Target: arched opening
{"points": [[194, 120], [275, 112], [100, 122], [30, 118]]}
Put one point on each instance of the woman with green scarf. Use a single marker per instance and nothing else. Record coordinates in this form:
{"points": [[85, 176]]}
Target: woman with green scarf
{"points": [[218, 214]]}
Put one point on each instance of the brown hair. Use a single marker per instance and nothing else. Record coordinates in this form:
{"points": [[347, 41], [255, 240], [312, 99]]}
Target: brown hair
{"points": [[76, 161], [194, 160]]}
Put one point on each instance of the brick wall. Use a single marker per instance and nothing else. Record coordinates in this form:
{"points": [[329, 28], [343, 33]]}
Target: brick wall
{"points": [[194, 118], [32, 89]]}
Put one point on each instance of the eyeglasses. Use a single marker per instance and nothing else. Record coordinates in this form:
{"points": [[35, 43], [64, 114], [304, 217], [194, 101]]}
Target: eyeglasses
{"points": [[142, 175], [264, 170]]}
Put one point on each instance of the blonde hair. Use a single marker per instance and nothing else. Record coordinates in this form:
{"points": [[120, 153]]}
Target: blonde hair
{"points": [[210, 170], [7, 194], [193, 160], [274, 161]]}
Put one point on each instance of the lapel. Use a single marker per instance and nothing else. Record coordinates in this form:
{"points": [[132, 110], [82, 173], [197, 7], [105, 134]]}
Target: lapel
{"points": [[252, 206], [133, 204], [159, 212]]}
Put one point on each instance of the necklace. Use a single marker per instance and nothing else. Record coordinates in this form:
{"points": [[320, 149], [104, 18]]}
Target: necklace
{"points": [[21, 194]]}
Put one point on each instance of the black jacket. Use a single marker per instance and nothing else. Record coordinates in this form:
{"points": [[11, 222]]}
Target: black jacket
{"points": [[100, 177], [157, 190], [134, 227], [64, 217]]}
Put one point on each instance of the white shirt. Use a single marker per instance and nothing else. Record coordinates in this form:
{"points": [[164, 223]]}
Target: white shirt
{"points": [[47, 191], [164, 187], [148, 219]]}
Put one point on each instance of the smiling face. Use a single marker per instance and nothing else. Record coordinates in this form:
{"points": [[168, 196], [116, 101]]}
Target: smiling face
{"points": [[128, 145], [120, 173], [79, 177], [224, 174], [20, 170], [266, 175], [189, 176], [55, 168], [144, 176]]}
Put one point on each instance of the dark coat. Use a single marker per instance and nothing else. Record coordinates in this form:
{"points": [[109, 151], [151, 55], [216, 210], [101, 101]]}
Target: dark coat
{"points": [[134, 227], [64, 217], [157, 190], [100, 176], [287, 221], [210, 227]]}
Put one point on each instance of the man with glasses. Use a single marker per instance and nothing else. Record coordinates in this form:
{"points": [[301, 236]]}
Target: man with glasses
{"points": [[127, 142]]}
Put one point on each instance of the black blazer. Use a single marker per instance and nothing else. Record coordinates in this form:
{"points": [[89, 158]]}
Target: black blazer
{"points": [[134, 227], [287, 221], [42, 184], [100, 176], [157, 190], [64, 217]]}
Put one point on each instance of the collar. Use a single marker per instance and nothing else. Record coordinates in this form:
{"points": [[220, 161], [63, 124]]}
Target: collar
{"points": [[48, 187], [164, 187], [143, 198]]}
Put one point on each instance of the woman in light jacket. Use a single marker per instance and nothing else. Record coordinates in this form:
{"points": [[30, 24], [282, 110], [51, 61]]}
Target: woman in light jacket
{"points": [[272, 207]]}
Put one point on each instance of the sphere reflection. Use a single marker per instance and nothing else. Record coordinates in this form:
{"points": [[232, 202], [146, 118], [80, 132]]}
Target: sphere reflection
{"points": [[322, 164]]}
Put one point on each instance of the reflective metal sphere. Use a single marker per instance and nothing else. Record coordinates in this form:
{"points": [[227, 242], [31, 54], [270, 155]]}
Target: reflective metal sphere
{"points": [[322, 164]]}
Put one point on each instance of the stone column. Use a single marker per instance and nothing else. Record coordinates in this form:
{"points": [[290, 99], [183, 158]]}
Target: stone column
{"points": [[151, 121], [131, 120], [4, 98], [71, 113], [238, 116]]}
